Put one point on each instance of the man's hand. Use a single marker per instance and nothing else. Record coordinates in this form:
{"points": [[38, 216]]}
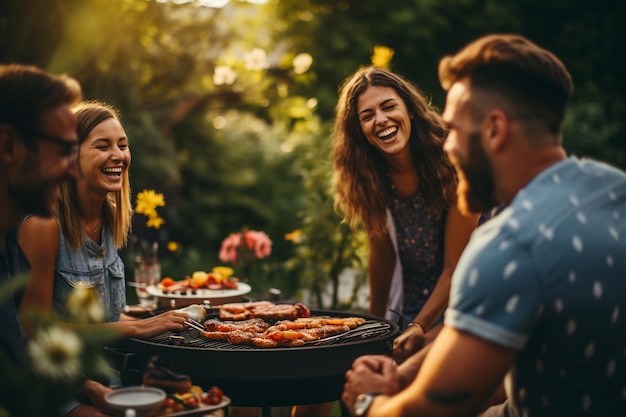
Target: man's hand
{"points": [[370, 373]]}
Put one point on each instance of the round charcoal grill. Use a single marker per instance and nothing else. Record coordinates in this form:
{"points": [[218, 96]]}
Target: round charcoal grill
{"points": [[262, 377]]}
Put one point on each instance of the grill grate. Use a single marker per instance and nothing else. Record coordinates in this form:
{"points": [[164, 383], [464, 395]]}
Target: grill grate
{"points": [[191, 338]]}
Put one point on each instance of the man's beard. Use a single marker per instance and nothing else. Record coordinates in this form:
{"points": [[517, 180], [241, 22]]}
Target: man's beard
{"points": [[476, 187]]}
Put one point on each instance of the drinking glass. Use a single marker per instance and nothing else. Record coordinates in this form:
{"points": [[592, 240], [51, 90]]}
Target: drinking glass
{"points": [[146, 274]]}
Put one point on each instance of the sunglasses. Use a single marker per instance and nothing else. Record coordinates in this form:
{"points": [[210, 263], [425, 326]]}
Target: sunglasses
{"points": [[68, 148]]}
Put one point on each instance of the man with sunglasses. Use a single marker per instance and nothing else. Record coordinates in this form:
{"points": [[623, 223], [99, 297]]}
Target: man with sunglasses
{"points": [[38, 149]]}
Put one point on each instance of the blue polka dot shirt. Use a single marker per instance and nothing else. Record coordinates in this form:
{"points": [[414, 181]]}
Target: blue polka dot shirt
{"points": [[547, 277]]}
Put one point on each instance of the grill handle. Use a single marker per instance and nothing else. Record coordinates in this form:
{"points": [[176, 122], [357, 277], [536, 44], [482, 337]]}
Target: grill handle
{"points": [[401, 319], [119, 359]]}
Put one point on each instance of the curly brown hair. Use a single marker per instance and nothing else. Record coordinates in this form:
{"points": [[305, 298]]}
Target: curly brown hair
{"points": [[359, 173]]}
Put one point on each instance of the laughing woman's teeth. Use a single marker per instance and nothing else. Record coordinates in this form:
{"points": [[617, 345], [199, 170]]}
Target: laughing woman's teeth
{"points": [[113, 171], [387, 132]]}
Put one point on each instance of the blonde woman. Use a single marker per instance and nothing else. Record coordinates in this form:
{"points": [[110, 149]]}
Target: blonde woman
{"points": [[81, 244]]}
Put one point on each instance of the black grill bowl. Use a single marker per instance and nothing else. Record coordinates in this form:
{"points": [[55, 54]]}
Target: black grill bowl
{"points": [[253, 376]]}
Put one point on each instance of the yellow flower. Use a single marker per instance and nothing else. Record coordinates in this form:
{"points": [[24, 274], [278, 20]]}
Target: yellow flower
{"points": [[294, 236], [147, 202], [155, 221], [382, 56], [84, 304], [172, 246], [224, 271]]}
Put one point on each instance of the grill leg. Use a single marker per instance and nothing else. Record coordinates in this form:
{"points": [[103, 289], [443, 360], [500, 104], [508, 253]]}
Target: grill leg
{"points": [[266, 412]]}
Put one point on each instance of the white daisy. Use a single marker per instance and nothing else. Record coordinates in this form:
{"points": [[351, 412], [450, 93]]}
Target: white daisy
{"points": [[55, 352]]}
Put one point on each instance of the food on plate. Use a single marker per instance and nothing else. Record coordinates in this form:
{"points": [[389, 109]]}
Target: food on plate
{"points": [[220, 278], [160, 374], [176, 402], [213, 396], [194, 311], [192, 399], [284, 333], [263, 309], [182, 395]]}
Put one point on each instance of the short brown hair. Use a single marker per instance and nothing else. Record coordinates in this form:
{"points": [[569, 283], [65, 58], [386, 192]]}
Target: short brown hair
{"points": [[532, 79], [26, 93]]}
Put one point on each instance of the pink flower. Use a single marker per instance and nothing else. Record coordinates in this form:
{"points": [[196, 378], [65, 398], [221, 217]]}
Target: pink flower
{"points": [[261, 243], [253, 244], [228, 250]]}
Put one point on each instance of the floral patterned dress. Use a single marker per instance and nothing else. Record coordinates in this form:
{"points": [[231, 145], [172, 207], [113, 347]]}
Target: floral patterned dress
{"points": [[420, 234]]}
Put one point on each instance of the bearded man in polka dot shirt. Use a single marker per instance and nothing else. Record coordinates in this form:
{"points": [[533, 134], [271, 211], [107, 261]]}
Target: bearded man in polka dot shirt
{"points": [[538, 297]]}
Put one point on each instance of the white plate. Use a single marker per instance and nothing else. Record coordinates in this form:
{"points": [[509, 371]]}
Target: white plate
{"points": [[215, 297], [137, 398], [204, 408]]}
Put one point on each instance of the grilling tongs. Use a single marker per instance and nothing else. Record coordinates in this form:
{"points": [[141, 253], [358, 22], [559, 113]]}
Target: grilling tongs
{"points": [[196, 325]]}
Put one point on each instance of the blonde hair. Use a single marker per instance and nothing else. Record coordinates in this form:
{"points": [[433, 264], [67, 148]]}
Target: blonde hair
{"points": [[117, 210]]}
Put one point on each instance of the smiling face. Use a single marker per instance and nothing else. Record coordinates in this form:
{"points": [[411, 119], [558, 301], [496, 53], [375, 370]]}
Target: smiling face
{"points": [[34, 184], [104, 157], [476, 187], [384, 119]]}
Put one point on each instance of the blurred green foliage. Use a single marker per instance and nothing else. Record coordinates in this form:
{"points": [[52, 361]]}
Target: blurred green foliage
{"points": [[254, 153]]}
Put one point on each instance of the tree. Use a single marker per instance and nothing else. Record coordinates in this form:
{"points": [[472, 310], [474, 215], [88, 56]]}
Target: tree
{"points": [[223, 121], [340, 35]]}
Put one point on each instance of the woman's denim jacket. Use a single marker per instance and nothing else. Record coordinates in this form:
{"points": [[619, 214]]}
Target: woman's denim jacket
{"points": [[95, 264]]}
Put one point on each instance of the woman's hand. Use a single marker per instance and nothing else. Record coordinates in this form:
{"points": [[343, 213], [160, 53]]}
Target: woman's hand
{"points": [[409, 342], [171, 320], [151, 326], [95, 392]]}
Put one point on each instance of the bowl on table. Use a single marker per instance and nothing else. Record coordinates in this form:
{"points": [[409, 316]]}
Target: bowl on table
{"points": [[145, 401]]}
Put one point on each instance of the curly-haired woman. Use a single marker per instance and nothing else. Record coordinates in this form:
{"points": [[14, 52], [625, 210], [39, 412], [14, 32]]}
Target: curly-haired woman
{"points": [[391, 175]]}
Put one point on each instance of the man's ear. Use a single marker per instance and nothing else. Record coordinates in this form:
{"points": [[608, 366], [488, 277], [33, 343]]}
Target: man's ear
{"points": [[496, 127], [8, 143]]}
